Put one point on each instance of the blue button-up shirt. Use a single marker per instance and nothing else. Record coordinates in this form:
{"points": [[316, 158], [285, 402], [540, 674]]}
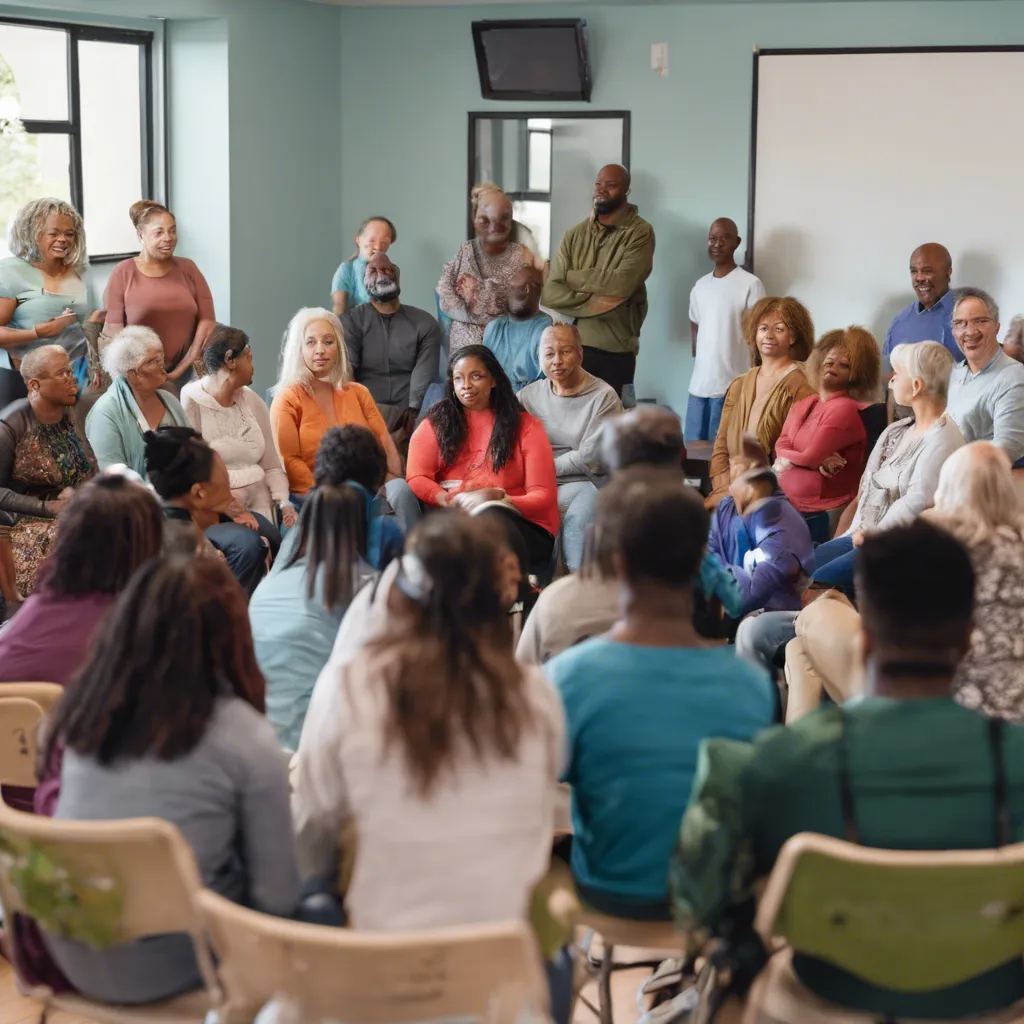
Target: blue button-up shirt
{"points": [[915, 323], [989, 405]]}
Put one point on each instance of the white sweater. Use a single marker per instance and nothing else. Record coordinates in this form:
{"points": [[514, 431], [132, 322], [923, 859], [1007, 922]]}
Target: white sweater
{"points": [[242, 436], [469, 852]]}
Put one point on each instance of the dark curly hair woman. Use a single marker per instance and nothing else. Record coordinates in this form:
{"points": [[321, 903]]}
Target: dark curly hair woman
{"points": [[478, 450]]}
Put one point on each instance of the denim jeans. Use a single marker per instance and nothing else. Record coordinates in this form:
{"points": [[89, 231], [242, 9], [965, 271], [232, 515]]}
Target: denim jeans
{"points": [[703, 416], [760, 636], [833, 563], [577, 505]]}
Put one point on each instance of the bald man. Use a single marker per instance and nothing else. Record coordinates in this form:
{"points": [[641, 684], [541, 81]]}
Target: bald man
{"points": [[930, 316], [597, 278], [717, 304]]}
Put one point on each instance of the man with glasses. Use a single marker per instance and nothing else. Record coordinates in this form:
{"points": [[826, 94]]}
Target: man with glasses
{"points": [[986, 390]]}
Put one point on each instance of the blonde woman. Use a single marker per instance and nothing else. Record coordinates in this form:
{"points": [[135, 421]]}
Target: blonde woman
{"points": [[316, 392]]}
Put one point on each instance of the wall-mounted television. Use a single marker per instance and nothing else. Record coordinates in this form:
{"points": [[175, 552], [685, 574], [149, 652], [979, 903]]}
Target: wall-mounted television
{"points": [[538, 59]]}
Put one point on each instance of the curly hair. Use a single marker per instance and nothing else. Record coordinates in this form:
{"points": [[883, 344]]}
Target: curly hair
{"points": [[448, 417], [793, 313], [28, 223], [865, 360]]}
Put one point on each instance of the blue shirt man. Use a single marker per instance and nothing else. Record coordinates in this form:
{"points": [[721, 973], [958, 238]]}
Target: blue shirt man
{"points": [[515, 337], [930, 316]]}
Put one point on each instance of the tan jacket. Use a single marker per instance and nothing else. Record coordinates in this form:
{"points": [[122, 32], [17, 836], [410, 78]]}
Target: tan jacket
{"points": [[739, 400]]}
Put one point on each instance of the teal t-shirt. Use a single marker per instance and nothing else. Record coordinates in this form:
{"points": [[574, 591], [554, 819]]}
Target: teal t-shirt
{"points": [[20, 281], [349, 278], [635, 719]]}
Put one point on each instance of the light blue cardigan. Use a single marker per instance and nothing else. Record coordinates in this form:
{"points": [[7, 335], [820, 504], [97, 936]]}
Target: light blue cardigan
{"points": [[113, 429]]}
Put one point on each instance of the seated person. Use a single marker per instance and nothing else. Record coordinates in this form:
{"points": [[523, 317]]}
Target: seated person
{"points": [[572, 405], [986, 390], [819, 456], [234, 422], [348, 288], [315, 393], [903, 467], [165, 720], [434, 725], [477, 445], [107, 530], [295, 612], [42, 458], [762, 539], [906, 768], [647, 435], [515, 337], [780, 335], [393, 349], [135, 401], [1013, 342], [639, 700], [192, 481]]}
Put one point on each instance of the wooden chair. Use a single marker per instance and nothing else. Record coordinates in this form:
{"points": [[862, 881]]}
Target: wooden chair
{"points": [[907, 921], [20, 719], [119, 881], [44, 694], [623, 933], [489, 971]]}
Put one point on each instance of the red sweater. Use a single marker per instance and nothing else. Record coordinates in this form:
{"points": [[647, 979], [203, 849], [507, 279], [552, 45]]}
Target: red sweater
{"points": [[814, 430], [528, 478]]}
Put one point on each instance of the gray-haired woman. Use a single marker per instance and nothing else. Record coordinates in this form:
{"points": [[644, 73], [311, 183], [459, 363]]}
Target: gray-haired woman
{"points": [[134, 403], [43, 298]]}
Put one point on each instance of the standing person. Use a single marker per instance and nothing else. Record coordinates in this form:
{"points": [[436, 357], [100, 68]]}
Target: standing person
{"points": [[43, 457], [43, 296], [348, 287], [478, 446], [393, 348], [474, 285], [640, 699], [717, 304], [780, 335], [597, 277], [165, 719], [515, 337], [316, 392], [235, 423], [164, 292], [930, 316], [986, 390]]}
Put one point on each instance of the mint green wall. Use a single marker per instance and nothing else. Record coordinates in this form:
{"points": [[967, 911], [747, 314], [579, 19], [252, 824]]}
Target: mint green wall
{"points": [[408, 78]]}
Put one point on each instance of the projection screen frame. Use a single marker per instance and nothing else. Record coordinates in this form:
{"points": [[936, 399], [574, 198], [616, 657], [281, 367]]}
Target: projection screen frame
{"points": [[825, 51]]}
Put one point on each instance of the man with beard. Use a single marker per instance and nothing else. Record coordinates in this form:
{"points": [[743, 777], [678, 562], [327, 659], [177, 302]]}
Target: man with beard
{"points": [[515, 337], [930, 316], [393, 349], [597, 277]]}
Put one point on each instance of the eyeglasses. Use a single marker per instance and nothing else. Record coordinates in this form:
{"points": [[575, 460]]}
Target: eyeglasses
{"points": [[979, 322]]}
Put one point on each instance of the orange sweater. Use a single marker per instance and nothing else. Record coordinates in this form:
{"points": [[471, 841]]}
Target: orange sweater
{"points": [[528, 478], [299, 426]]}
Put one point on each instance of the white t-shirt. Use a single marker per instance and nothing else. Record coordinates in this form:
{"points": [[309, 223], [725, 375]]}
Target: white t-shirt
{"points": [[716, 305]]}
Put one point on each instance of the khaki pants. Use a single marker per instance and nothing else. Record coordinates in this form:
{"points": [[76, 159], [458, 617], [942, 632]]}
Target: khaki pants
{"points": [[825, 654]]}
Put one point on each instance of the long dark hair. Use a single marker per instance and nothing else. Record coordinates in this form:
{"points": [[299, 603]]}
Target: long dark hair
{"points": [[333, 522], [447, 667], [176, 638], [108, 529], [448, 417]]}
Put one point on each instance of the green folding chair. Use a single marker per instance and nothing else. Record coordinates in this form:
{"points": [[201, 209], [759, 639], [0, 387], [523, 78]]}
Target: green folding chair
{"points": [[909, 921]]}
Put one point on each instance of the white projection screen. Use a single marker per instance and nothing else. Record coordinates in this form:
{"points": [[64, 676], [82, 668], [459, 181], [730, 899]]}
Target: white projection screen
{"points": [[862, 156]]}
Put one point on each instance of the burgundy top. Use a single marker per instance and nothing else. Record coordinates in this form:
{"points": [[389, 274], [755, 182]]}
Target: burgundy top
{"points": [[171, 305], [814, 430]]}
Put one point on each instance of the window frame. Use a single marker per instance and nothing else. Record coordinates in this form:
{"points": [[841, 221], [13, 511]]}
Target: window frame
{"points": [[72, 127]]}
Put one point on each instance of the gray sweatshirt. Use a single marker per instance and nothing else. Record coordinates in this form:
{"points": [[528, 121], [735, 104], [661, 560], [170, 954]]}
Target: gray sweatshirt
{"points": [[573, 424], [230, 799]]}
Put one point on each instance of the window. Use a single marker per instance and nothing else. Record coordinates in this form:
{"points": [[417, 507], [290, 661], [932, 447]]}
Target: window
{"points": [[76, 123]]}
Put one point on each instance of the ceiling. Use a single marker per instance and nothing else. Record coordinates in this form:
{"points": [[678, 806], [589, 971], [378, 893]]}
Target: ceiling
{"points": [[576, 3]]}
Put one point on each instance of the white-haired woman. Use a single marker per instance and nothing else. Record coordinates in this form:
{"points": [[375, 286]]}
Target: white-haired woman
{"points": [[43, 297], [903, 468], [314, 393], [134, 403]]}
